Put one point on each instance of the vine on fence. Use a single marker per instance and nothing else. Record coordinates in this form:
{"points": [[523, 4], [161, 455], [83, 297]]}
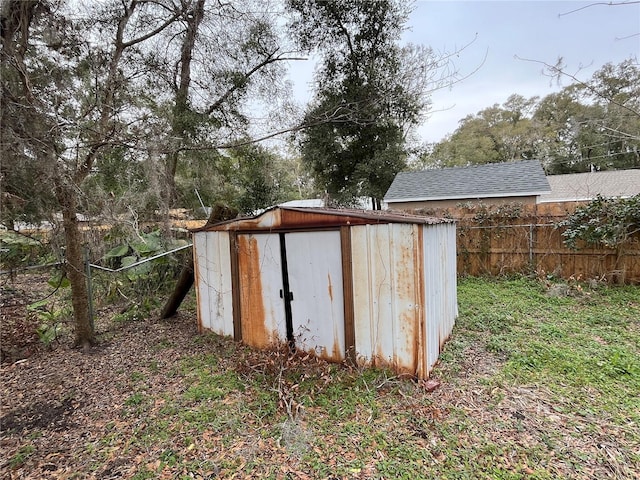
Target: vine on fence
{"points": [[490, 220], [603, 221], [497, 238], [610, 222]]}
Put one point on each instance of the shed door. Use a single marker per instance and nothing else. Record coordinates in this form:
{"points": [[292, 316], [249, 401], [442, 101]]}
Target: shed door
{"points": [[314, 265], [307, 286], [261, 308]]}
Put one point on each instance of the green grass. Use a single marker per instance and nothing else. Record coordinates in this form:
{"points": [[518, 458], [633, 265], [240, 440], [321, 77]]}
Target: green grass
{"points": [[575, 357], [532, 386], [21, 456], [584, 348]]}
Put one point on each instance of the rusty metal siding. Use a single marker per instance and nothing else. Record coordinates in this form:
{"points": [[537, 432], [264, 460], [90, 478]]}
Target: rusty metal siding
{"points": [[315, 277], [440, 292], [213, 281], [398, 279], [449, 281], [260, 270], [387, 310], [450, 277]]}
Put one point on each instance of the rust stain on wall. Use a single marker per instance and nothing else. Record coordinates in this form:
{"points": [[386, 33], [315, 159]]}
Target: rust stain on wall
{"points": [[405, 267], [390, 277], [322, 352], [254, 331], [196, 277], [411, 343], [406, 298], [337, 354]]}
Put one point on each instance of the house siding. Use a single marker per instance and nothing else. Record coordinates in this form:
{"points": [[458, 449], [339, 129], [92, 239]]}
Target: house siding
{"points": [[434, 204]]}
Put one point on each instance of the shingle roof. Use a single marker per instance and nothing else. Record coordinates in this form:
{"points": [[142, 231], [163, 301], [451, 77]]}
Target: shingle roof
{"points": [[513, 179], [575, 187]]}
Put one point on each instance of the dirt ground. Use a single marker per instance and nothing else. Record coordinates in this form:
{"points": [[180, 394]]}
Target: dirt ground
{"points": [[69, 395], [67, 403]]}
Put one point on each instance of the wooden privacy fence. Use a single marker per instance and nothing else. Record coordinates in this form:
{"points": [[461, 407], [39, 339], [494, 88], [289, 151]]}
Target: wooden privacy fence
{"points": [[538, 247]]}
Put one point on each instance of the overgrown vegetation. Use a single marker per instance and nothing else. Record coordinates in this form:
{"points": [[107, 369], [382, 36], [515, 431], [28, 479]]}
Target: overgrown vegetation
{"points": [[141, 283], [19, 250], [539, 380], [603, 221], [140, 269]]}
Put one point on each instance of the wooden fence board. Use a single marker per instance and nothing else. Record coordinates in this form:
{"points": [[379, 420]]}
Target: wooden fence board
{"points": [[523, 248]]}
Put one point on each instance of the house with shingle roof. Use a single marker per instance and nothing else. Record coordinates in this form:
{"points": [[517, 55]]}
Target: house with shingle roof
{"points": [[583, 187], [492, 184]]}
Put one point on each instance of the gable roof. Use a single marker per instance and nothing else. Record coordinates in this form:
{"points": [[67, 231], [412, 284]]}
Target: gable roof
{"points": [[576, 187], [512, 179]]}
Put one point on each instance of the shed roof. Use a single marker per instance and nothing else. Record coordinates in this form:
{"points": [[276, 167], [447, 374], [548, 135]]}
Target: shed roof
{"points": [[291, 218], [511, 179], [576, 187]]}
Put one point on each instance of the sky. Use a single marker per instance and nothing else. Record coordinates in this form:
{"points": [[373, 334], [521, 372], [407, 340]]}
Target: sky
{"points": [[586, 35]]}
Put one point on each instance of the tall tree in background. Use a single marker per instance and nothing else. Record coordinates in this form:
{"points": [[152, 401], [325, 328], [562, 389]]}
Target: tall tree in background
{"points": [[67, 101], [496, 134], [615, 91], [261, 177], [215, 65], [587, 125], [557, 118], [370, 92]]}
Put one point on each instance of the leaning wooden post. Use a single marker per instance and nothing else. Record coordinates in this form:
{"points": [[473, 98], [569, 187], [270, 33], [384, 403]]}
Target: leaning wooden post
{"points": [[186, 277]]}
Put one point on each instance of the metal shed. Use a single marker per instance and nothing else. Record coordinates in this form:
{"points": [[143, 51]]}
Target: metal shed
{"points": [[369, 287]]}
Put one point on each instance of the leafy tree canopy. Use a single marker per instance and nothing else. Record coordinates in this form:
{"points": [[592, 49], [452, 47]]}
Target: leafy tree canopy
{"points": [[587, 125], [370, 91]]}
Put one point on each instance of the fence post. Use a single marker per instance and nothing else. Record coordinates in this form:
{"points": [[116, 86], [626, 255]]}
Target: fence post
{"points": [[87, 267], [531, 244]]}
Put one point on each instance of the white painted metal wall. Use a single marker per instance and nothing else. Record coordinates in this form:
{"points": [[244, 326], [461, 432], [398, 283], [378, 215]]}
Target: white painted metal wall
{"points": [[404, 291], [440, 286], [386, 291], [405, 299], [212, 267], [315, 278]]}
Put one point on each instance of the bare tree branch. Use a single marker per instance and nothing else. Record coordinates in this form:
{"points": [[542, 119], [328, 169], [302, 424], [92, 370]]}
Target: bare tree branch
{"points": [[155, 31], [594, 4], [558, 71], [271, 58]]}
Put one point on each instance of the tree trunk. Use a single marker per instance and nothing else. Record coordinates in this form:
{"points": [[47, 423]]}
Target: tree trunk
{"points": [[182, 116], [619, 273], [183, 285], [186, 278], [85, 336]]}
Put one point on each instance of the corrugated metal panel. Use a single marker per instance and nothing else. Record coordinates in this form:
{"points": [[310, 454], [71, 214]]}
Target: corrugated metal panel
{"points": [[451, 275], [387, 312], [315, 277], [433, 310], [213, 281], [449, 280], [260, 270], [440, 287], [403, 282]]}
